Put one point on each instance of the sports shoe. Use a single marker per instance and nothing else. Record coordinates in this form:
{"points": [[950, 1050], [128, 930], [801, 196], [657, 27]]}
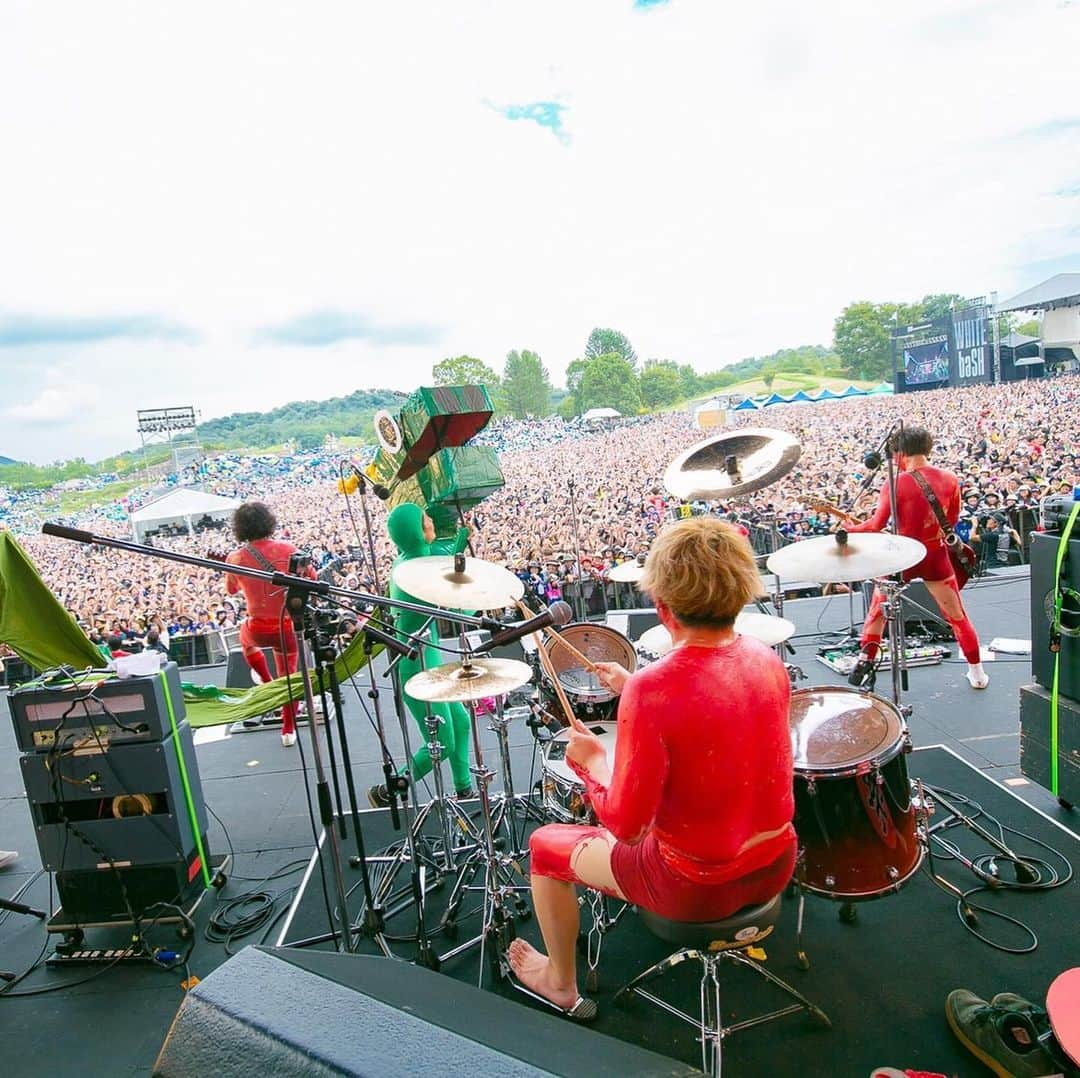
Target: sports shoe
{"points": [[864, 674], [288, 740], [465, 795], [7, 857], [1004, 1039], [977, 676], [1010, 1001]]}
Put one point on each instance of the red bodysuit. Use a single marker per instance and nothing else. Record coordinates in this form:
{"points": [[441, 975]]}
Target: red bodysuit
{"points": [[265, 626], [703, 764], [915, 519]]}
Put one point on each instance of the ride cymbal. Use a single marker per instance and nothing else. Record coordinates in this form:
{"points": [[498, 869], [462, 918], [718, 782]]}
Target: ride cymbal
{"points": [[455, 682], [767, 628], [828, 560], [731, 464], [627, 572]]}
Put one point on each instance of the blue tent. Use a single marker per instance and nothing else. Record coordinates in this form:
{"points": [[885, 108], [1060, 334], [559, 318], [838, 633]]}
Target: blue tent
{"points": [[884, 387], [776, 398], [827, 395], [802, 395], [747, 406], [852, 391]]}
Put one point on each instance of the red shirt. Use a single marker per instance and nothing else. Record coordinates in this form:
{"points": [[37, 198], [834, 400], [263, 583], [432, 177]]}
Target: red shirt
{"points": [[916, 519], [703, 759], [264, 601]]}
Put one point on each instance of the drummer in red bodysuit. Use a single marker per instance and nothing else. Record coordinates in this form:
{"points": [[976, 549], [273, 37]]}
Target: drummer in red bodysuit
{"points": [[916, 519], [696, 810], [265, 625]]}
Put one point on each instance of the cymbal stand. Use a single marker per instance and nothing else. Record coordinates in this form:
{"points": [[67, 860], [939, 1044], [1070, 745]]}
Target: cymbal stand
{"points": [[508, 804], [892, 609], [501, 871]]}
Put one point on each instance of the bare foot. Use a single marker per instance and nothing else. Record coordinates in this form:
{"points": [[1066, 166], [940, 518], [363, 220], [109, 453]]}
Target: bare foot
{"points": [[533, 969]]}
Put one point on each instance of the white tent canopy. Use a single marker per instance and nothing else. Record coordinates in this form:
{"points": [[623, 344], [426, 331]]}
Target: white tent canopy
{"points": [[184, 505], [600, 413]]}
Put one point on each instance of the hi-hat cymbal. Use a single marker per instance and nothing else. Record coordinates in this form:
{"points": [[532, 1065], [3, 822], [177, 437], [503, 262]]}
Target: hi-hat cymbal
{"points": [[861, 557], [482, 586], [627, 572], [455, 682], [734, 463], [768, 629]]}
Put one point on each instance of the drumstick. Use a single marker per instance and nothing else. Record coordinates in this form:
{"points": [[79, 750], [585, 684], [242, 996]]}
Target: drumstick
{"points": [[560, 639], [545, 660]]}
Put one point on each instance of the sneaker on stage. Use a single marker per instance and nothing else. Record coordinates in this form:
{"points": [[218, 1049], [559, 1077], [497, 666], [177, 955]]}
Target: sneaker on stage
{"points": [[1004, 1038]]}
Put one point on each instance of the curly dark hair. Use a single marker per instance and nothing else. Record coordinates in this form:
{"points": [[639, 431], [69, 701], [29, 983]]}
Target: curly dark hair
{"points": [[912, 441], [253, 520]]}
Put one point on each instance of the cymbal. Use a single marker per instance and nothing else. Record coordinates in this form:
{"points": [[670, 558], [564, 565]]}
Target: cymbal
{"points": [[862, 557], [734, 463], [482, 586], [454, 682], [768, 629], [626, 572]]}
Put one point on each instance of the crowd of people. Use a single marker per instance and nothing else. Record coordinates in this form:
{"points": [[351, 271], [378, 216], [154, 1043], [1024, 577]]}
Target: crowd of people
{"points": [[570, 488]]}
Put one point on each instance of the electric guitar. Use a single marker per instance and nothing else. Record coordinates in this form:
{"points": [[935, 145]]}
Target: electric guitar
{"points": [[819, 505]]}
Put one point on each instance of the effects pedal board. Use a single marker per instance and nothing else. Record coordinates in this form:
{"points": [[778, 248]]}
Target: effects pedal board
{"points": [[842, 660]]}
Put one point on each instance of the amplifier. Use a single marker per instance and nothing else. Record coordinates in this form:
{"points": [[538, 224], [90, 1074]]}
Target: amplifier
{"points": [[127, 800], [102, 713], [1035, 741], [1043, 559]]}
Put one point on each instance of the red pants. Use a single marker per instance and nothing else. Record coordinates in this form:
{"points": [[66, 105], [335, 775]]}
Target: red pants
{"points": [[962, 628], [265, 633], [647, 880]]}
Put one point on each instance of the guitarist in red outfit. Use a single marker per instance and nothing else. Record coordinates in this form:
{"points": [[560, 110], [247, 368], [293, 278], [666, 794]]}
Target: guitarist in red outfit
{"points": [[917, 519]]}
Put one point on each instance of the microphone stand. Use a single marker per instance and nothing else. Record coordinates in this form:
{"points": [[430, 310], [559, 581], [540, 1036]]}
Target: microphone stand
{"points": [[577, 552]]}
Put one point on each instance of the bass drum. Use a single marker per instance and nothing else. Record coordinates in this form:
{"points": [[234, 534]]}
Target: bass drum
{"points": [[588, 696], [857, 826]]}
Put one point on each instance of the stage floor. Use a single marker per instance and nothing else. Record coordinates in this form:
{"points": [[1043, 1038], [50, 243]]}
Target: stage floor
{"points": [[114, 1023]]}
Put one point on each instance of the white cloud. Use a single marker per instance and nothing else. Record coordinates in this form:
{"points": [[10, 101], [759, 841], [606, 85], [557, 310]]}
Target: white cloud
{"points": [[731, 177], [58, 403]]}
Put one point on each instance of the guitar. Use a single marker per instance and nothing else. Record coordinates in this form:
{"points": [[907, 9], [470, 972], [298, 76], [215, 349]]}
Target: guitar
{"points": [[819, 505]]}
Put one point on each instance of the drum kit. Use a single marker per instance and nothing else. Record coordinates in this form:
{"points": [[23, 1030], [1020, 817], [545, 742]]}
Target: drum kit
{"points": [[862, 831]]}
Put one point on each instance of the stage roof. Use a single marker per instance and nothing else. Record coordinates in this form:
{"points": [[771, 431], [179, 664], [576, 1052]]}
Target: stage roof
{"points": [[1063, 290]]}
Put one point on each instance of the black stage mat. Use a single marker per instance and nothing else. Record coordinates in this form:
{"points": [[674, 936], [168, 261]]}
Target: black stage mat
{"points": [[882, 980]]}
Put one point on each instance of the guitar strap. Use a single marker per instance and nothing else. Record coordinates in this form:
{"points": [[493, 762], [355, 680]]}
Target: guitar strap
{"points": [[935, 505]]}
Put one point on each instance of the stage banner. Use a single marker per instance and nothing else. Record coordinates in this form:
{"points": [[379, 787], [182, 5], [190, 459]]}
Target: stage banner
{"points": [[971, 361]]}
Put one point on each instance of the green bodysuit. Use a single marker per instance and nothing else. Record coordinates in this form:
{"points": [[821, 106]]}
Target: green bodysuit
{"points": [[406, 528]]}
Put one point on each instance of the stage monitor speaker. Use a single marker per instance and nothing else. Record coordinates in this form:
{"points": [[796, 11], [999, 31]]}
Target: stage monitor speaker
{"points": [[237, 671], [1035, 756], [189, 649], [632, 623], [286, 1011], [916, 604], [1043, 558]]}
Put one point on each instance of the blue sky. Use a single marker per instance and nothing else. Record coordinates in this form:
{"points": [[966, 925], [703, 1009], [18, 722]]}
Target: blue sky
{"points": [[311, 200]]}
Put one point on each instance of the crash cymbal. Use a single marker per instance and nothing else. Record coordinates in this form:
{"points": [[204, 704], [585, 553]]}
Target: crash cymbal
{"points": [[731, 464], [627, 572], [482, 585], [456, 682], [861, 557], [768, 629]]}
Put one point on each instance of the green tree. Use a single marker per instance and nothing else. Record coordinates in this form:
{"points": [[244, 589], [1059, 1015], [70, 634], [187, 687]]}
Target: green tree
{"points": [[603, 342], [609, 381], [567, 407], [526, 387], [861, 338], [938, 305], [464, 371], [689, 381], [768, 378], [660, 383]]}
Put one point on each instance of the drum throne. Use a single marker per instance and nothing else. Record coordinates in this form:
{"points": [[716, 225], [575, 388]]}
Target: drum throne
{"points": [[713, 944]]}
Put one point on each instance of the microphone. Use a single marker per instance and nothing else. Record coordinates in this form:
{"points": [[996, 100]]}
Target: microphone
{"points": [[559, 613], [872, 460], [360, 476], [62, 532]]}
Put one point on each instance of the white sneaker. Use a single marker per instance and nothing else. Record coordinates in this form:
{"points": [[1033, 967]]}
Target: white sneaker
{"points": [[977, 676], [288, 740], [255, 678], [7, 857]]}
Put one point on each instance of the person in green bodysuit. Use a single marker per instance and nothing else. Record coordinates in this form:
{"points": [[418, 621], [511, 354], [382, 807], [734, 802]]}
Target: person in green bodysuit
{"points": [[413, 534]]}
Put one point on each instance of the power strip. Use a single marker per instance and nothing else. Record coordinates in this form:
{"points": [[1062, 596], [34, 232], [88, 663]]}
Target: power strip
{"points": [[96, 956]]}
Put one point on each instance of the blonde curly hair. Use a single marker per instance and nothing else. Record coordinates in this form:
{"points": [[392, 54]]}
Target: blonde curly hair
{"points": [[703, 570]]}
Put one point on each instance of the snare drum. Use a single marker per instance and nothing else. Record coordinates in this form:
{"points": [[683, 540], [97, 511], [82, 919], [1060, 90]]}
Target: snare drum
{"points": [[564, 792], [588, 696], [854, 816]]}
